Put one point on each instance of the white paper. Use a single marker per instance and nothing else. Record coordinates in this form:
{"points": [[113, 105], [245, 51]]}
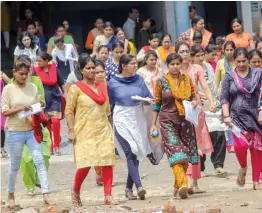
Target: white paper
{"points": [[236, 130], [36, 108], [191, 114], [139, 98]]}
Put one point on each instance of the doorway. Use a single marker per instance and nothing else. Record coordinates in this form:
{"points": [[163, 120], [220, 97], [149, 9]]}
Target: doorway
{"points": [[218, 16]]}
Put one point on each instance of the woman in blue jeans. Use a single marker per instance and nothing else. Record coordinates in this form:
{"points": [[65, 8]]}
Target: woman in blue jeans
{"points": [[129, 121], [18, 97]]}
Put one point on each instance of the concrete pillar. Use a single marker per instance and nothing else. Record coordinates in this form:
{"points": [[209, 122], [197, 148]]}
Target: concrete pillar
{"points": [[246, 16], [169, 23], [181, 17]]}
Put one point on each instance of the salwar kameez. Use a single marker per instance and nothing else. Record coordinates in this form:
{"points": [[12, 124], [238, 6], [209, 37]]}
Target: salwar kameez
{"points": [[204, 142], [177, 134], [244, 95], [94, 144]]}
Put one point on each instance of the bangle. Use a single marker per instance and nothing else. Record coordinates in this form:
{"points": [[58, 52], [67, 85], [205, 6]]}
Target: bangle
{"points": [[226, 116]]}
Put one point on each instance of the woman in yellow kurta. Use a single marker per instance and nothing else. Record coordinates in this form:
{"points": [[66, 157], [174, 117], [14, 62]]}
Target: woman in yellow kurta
{"points": [[90, 130], [226, 64]]}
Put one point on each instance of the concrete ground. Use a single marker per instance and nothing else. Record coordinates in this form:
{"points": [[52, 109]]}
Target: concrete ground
{"points": [[157, 180]]}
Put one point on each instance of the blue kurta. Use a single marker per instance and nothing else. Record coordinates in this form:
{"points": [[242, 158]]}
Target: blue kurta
{"points": [[120, 90]]}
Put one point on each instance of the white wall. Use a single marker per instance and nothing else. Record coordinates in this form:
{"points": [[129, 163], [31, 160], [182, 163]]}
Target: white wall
{"points": [[246, 16]]}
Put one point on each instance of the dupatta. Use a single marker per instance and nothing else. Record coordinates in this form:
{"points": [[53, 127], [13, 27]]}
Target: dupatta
{"points": [[50, 79], [111, 41], [163, 53], [183, 90], [100, 97]]}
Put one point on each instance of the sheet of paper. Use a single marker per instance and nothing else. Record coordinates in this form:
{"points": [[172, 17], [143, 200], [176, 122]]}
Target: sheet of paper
{"points": [[191, 114], [236, 130], [139, 98], [36, 108]]}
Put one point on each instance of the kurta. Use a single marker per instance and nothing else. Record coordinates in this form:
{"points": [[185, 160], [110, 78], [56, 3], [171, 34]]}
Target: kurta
{"points": [[213, 120], [53, 97], [150, 77], [244, 97], [178, 135], [129, 120], [94, 145], [202, 134]]}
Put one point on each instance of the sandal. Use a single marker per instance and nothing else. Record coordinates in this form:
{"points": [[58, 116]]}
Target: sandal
{"points": [[141, 193], [99, 181], [220, 171], [241, 179], [76, 200], [4, 154], [31, 192], [58, 151], [183, 192], [110, 201], [257, 186], [129, 195], [49, 203], [195, 190]]}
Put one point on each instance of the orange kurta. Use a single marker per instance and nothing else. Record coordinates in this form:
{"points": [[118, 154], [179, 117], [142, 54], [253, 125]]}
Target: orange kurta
{"points": [[242, 40]]}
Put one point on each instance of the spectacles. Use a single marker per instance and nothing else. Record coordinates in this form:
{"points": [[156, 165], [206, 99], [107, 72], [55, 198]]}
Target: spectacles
{"points": [[184, 51]]}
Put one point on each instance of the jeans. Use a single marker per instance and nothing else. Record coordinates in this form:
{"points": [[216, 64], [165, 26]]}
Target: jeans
{"points": [[132, 163], [16, 141]]}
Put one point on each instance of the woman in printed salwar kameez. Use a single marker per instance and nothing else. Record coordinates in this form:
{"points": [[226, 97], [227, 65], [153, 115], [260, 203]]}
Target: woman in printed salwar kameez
{"points": [[129, 121], [202, 134], [241, 100], [178, 134]]}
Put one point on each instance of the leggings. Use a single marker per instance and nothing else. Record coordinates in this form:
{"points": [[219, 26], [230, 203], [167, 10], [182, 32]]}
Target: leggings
{"points": [[54, 126], [2, 138], [107, 173], [194, 170], [179, 171], [241, 148], [133, 176]]}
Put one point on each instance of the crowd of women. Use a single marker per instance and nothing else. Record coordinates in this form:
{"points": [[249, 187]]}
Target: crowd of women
{"points": [[115, 98]]}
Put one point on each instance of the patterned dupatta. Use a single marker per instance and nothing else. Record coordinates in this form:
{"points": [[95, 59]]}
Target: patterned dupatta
{"points": [[182, 90], [255, 81]]}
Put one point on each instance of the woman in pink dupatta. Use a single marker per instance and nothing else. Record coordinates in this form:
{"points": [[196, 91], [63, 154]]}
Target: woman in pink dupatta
{"points": [[204, 142]]}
